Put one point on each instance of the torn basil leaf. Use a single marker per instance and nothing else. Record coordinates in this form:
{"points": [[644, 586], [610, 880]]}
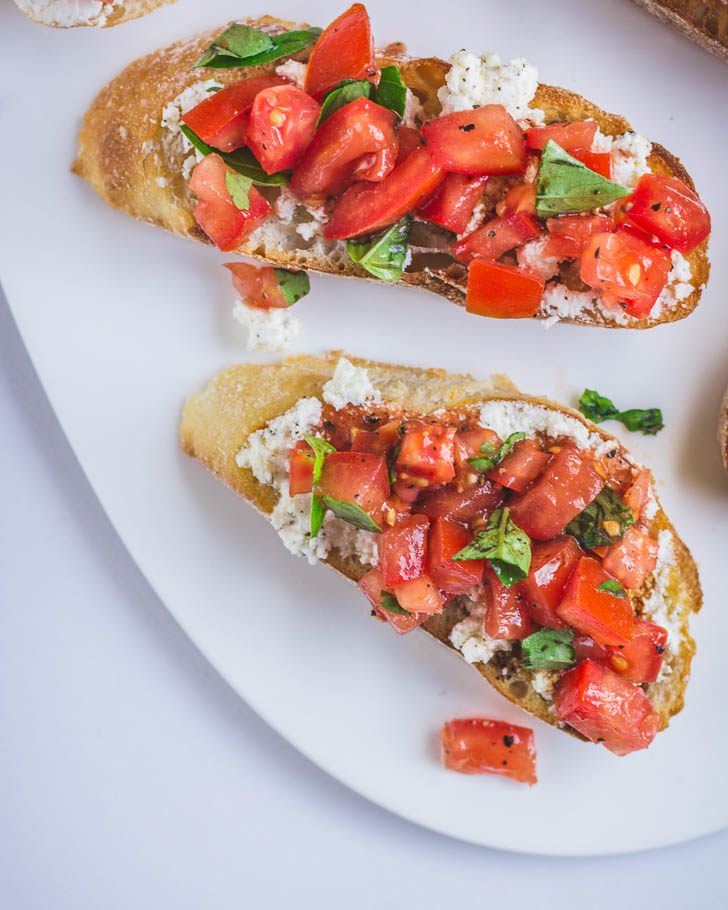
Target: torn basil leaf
{"points": [[548, 649], [318, 511], [607, 512], [612, 586], [293, 285], [488, 462], [390, 603], [344, 93], [241, 45], [504, 545], [598, 408], [239, 188], [351, 512], [391, 91], [320, 449], [242, 161], [564, 185], [383, 255]]}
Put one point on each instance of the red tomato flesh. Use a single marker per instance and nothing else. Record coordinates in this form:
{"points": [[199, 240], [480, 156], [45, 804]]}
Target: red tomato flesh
{"points": [[344, 50], [586, 647], [300, 477], [428, 451], [446, 502], [632, 558], [468, 443], [666, 207], [478, 746], [356, 477], [420, 595], [257, 285], [372, 586], [606, 617], [638, 493], [403, 550], [497, 237], [521, 466], [640, 661], [282, 124], [409, 140], [502, 291], [552, 564], [569, 235], [600, 162], [506, 610], [521, 198], [484, 141], [578, 135], [378, 441], [451, 206], [447, 538]]}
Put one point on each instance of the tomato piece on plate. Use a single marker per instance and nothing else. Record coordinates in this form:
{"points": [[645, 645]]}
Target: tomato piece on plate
{"points": [[521, 466], [666, 207], [359, 141], [599, 162], [451, 206], [356, 477], [409, 140], [606, 708], [475, 745], [577, 135], [282, 124], [300, 473], [638, 492], [373, 587], [519, 199], [344, 50], [502, 291], [497, 237], [565, 488], [447, 538], [569, 235], [403, 551], [420, 595], [446, 502], [632, 558], [221, 120], [552, 564], [467, 445], [378, 441], [506, 609], [367, 207], [606, 617], [484, 141], [640, 661], [216, 213], [257, 285], [427, 451], [586, 647]]}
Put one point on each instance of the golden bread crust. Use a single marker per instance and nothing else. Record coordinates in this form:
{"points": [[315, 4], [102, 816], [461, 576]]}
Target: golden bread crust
{"points": [[121, 11]]}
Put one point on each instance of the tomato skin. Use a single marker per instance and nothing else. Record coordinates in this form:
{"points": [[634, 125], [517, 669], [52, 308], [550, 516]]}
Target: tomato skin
{"points": [[521, 466], [502, 291], [519, 199], [300, 472], [552, 564], [666, 207], [577, 135], [216, 213], [445, 502], [372, 586], [586, 647], [359, 141], [599, 162], [402, 551], [344, 50], [638, 493], [607, 618], [257, 285], [282, 124], [356, 477], [640, 661], [451, 206], [427, 451], [221, 120], [632, 558], [447, 538], [565, 488], [497, 237], [367, 207], [479, 746], [569, 235], [409, 139], [420, 595], [506, 610], [379, 441], [484, 141], [606, 708]]}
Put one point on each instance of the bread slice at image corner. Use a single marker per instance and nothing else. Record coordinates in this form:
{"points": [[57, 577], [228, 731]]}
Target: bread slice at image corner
{"points": [[219, 422], [137, 166], [89, 13]]}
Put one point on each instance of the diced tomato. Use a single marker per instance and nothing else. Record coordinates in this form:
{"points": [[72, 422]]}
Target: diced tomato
{"points": [[216, 213], [565, 489], [586, 647], [506, 609], [484, 141], [378, 441], [372, 586], [569, 235], [519, 199], [497, 237], [300, 476], [356, 477], [502, 291], [579, 134], [221, 120], [282, 124], [409, 140], [626, 266], [452, 204], [257, 285], [640, 661], [344, 50], [552, 565], [606, 617], [521, 466], [632, 558], [420, 595], [406, 490], [367, 207], [468, 443], [478, 746], [600, 162], [403, 551], [445, 501], [447, 538], [357, 142], [606, 708], [639, 492], [666, 207], [427, 451]]}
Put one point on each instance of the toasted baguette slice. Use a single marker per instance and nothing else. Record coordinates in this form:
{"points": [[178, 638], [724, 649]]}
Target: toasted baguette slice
{"points": [[243, 399], [723, 429], [137, 165], [705, 22], [75, 13]]}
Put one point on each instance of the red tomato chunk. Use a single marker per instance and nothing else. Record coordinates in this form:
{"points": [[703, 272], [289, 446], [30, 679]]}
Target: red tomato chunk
{"points": [[257, 285], [372, 586], [300, 478], [451, 206], [506, 610], [344, 50], [445, 540], [600, 162], [428, 452], [570, 234], [356, 477], [578, 135], [282, 125], [445, 501], [666, 207], [420, 595], [497, 237], [640, 661], [606, 617], [478, 746], [378, 441], [502, 291], [402, 551], [521, 466], [632, 559], [484, 141], [552, 564]]}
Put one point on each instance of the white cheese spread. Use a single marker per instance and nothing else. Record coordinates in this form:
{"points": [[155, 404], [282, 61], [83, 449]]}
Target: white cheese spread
{"points": [[349, 385], [531, 256], [269, 330], [629, 152], [469, 637], [656, 607], [414, 113], [65, 13], [176, 142], [294, 71]]}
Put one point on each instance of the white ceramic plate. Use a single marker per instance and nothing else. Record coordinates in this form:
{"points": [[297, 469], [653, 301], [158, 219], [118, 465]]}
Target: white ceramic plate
{"points": [[123, 321]]}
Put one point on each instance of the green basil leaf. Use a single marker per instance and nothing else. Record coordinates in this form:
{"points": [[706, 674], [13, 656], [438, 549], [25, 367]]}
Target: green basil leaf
{"points": [[598, 408], [213, 88], [241, 45], [318, 510], [390, 603], [612, 586], [391, 460], [566, 185], [548, 649], [243, 161], [294, 285], [482, 465], [383, 255], [239, 188], [352, 513], [588, 526], [504, 545], [391, 91], [344, 93]]}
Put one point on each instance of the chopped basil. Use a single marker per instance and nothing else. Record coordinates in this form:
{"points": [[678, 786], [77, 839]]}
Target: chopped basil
{"points": [[484, 464], [504, 544], [612, 586], [352, 513], [598, 408], [384, 254], [606, 513], [391, 460], [318, 511], [548, 649], [390, 603], [320, 448], [391, 91], [243, 161], [239, 188], [293, 285], [241, 45], [213, 88], [566, 185], [344, 93]]}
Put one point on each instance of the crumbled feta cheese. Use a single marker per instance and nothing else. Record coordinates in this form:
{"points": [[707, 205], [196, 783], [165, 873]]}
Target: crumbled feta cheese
{"points": [[349, 385], [176, 142], [414, 113], [285, 205], [313, 228], [468, 637], [678, 285], [543, 682], [476, 219], [266, 450], [472, 82], [65, 13], [531, 256], [268, 330], [630, 152], [294, 71], [657, 606]]}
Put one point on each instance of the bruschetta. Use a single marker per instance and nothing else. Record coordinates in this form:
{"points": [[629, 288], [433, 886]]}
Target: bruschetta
{"points": [[465, 178], [94, 13], [509, 528], [723, 430]]}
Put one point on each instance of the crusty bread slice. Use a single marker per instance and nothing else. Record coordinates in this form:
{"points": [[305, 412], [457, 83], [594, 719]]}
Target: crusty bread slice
{"points": [[703, 21], [125, 153], [723, 429], [217, 421], [65, 13]]}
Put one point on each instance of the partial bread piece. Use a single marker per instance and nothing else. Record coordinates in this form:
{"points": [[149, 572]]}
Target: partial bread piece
{"points": [[703, 21], [125, 153], [77, 13], [723, 429], [217, 421]]}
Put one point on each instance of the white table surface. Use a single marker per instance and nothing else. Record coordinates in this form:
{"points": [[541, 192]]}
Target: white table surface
{"points": [[131, 776]]}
